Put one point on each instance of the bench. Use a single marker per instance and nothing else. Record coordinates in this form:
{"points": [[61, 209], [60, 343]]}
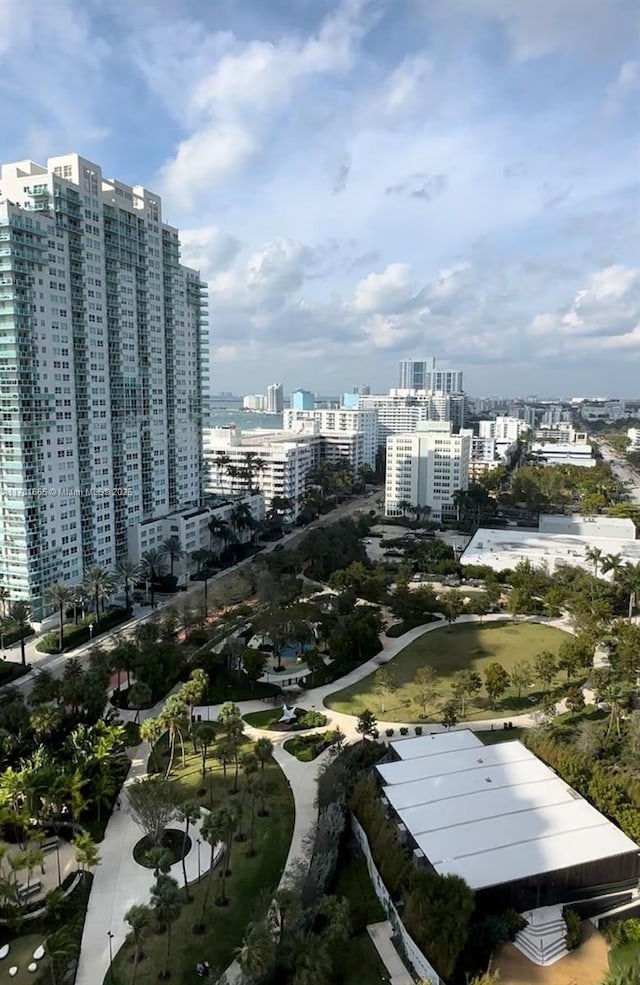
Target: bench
{"points": [[33, 890], [50, 846]]}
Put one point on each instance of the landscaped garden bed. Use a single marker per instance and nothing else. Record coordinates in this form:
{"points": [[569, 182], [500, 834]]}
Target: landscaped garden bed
{"points": [[270, 719], [173, 844], [308, 747]]}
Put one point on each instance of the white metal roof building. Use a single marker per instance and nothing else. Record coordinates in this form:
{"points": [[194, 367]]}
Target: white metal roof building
{"points": [[559, 540], [504, 821]]}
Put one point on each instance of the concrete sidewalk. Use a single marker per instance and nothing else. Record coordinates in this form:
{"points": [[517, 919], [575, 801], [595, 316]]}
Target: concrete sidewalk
{"points": [[381, 934]]}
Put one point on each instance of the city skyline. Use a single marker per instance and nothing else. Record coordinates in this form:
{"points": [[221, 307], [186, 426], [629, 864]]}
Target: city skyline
{"points": [[360, 181]]}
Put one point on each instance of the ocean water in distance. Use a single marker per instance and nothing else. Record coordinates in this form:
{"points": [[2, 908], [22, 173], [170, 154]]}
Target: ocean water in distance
{"points": [[246, 420]]}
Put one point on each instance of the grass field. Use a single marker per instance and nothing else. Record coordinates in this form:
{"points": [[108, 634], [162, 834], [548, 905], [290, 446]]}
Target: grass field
{"points": [[450, 649], [250, 886]]}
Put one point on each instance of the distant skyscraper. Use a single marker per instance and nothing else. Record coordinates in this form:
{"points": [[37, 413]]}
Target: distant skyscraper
{"points": [[414, 372], [275, 398], [421, 374], [302, 400], [102, 371], [362, 389]]}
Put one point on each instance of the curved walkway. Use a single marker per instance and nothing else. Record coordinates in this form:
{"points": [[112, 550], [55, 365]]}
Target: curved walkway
{"points": [[119, 881]]}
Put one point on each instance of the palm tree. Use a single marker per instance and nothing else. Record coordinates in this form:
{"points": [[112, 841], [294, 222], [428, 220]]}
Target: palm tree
{"points": [[20, 613], [241, 519], [255, 954], [139, 917], [206, 735], [221, 463], [228, 818], [404, 505], [173, 718], [127, 573], [99, 585], [166, 902], [212, 831], [173, 550], [187, 813], [152, 566], [44, 688], [252, 463], [594, 555], [200, 557], [264, 751], [612, 562], [86, 852], [630, 581], [150, 731], [104, 790], [217, 529]]}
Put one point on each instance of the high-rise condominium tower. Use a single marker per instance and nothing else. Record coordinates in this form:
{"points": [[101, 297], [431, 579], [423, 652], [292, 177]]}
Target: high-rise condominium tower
{"points": [[421, 374], [102, 365], [275, 398]]}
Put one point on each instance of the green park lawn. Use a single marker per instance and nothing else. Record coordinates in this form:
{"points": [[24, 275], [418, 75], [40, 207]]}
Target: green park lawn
{"points": [[447, 650], [251, 884]]}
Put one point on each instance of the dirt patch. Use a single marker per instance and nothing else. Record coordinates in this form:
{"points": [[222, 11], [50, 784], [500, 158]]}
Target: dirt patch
{"points": [[587, 965]]}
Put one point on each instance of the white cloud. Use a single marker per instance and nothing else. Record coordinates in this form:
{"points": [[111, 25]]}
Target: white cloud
{"points": [[625, 86], [232, 104], [386, 292], [208, 249]]}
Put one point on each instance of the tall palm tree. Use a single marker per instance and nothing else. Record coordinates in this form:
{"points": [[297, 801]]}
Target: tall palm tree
{"points": [[241, 519], [212, 831], [594, 555], [613, 563], [152, 566], [188, 813], [86, 853], [173, 550], [20, 613], [150, 731], [218, 529], [127, 573], [60, 595], [173, 718], [630, 580], [264, 751], [166, 902], [221, 463], [99, 585], [228, 819], [139, 917]]}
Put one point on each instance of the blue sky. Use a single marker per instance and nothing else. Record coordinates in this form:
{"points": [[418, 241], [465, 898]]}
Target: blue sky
{"points": [[366, 180]]}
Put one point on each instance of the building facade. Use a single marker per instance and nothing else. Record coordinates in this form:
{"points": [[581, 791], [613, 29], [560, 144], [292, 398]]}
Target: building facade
{"points": [[302, 400], [426, 468], [423, 374], [275, 398], [339, 420], [102, 369], [400, 411], [191, 527], [284, 460]]}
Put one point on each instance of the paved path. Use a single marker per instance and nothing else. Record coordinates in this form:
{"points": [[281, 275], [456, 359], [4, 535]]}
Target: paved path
{"points": [[381, 934], [119, 881]]}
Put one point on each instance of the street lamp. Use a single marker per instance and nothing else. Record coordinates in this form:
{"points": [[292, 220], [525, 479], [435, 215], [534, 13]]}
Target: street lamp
{"points": [[198, 843], [110, 936]]}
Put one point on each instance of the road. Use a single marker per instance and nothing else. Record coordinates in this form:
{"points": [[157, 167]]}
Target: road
{"points": [[55, 662], [622, 471]]}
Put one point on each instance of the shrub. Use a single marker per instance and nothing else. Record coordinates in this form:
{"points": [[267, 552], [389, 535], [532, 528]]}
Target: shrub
{"points": [[573, 936], [513, 921], [389, 732], [75, 636], [619, 933], [418, 730], [375, 734], [10, 671], [12, 635], [311, 719], [197, 636], [404, 730]]}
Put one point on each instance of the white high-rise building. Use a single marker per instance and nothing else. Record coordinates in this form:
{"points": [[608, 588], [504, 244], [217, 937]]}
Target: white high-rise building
{"points": [[400, 411], [426, 468], [339, 420], [275, 398], [275, 462], [422, 374], [102, 368]]}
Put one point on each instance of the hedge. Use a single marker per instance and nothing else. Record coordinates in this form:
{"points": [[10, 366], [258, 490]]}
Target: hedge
{"points": [[74, 636], [12, 635], [10, 671]]}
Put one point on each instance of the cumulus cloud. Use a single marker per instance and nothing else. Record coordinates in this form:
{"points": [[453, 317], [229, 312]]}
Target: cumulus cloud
{"points": [[604, 314], [421, 185], [235, 103], [392, 290]]}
